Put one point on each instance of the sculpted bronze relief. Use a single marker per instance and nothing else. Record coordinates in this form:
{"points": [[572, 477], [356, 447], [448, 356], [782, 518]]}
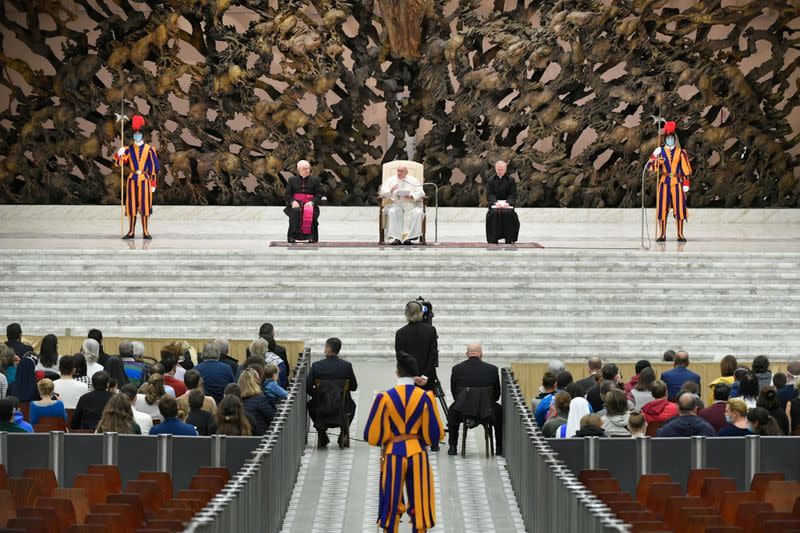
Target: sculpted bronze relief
{"points": [[236, 92]]}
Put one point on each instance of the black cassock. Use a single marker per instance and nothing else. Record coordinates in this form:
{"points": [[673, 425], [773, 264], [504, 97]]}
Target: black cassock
{"points": [[299, 185], [501, 223]]}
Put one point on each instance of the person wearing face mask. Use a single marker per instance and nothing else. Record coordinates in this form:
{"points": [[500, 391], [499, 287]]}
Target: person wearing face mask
{"points": [[142, 160], [736, 417], [671, 163]]}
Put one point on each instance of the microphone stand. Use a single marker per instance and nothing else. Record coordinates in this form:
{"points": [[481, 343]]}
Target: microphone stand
{"points": [[436, 211]]}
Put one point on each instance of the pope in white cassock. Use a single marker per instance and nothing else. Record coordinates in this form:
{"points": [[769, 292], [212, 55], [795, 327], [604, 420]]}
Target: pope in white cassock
{"points": [[404, 215]]}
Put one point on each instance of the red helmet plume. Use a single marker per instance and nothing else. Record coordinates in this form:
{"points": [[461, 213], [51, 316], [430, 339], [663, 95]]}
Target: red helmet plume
{"points": [[137, 122], [669, 128]]}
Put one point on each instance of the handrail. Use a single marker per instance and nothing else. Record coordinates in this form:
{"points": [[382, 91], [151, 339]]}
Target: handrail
{"points": [[256, 498], [549, 495]]}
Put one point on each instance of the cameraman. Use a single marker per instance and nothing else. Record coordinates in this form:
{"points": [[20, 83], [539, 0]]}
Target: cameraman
{"points": [[420, 340]]}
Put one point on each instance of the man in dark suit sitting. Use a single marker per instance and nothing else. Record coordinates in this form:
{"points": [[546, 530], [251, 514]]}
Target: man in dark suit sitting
{"points": [[587, 383], [419, 340], [330, 368], [474, 373], [14, 335]]}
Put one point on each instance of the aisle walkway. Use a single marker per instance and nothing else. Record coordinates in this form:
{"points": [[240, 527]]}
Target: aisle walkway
{"points": [[337, 490]]}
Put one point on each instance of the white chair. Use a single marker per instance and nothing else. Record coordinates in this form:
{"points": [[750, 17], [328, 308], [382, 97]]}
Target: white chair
{"points": [[390, 169]]}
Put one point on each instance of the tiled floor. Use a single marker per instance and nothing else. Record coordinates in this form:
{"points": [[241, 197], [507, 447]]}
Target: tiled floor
{"points": [[337, 489]]}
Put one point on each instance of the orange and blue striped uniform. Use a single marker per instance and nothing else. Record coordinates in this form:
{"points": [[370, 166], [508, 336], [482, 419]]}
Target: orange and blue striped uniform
{"points": [[674, 171], [144, 166], [405, 421]]}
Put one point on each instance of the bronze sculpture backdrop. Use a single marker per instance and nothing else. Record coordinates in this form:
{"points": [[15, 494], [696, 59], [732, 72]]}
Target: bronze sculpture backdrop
{"points": [[564, 90]]}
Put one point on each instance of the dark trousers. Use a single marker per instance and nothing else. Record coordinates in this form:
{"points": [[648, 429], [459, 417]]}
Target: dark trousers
{"points": [[295, 215], [502, 224], [322, 424], [454, 419]]}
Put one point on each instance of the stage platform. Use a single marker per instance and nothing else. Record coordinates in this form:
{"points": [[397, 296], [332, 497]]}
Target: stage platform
{"points": [[590, 289], [253, 228]]}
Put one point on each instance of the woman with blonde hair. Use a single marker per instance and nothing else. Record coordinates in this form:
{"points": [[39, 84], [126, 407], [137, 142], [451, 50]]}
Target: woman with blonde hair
{"points": [[47, 406], [117, 417], [149, 394], [255, 401]]}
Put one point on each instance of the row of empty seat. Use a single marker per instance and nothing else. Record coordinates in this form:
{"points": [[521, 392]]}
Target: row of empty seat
{"points": [[710, 504], [34, 503]]}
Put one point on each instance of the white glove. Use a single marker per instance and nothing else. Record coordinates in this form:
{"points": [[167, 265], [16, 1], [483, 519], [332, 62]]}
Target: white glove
{"points": [[121, 152], [685, 188]]}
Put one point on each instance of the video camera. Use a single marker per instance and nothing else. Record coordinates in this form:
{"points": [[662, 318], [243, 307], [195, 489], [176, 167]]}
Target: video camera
{"points": [[427, 310]]}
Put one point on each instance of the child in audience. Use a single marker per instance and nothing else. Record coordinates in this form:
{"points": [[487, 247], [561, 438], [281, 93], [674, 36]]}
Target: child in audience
{"points": [[591, 426], [274, 392], [637, 425], [19, 418], [197, 417]]}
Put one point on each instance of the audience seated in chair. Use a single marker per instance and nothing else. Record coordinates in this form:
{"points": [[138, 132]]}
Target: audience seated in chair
{"points": [[474, 372], [216, 374], [230, 417], [255, 401], [47, 406], [615, 420], [323, 404], [194, 381], [197, 416], [591, 426], [170, 425], [679, 375], [69, 390], [90, 406], [7, 422], [143, 420], [714, 414], [117, 417], [660, 409], [637, 425], [687, 423]]}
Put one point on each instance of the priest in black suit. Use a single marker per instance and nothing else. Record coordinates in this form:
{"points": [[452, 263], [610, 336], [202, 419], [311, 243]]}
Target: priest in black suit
{"points": [[421, 341], [330, 368], [303, 194], [474, 373], [502, 221]]}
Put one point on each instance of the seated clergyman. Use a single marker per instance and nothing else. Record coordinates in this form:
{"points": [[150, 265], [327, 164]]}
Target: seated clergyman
{"points": [[404, 213]]}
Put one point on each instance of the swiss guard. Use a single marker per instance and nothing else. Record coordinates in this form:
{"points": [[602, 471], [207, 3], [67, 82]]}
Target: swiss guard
{"points": [[671, 163], [142, 160], [405, 422]]}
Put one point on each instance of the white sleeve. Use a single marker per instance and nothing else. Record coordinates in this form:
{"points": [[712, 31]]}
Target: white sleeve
{"points": [[417, 193], [386, 188]]}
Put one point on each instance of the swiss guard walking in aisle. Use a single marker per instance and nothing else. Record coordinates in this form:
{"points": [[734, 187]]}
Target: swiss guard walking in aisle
{"points": [[404, 421], [142, 160], [671, 163]]}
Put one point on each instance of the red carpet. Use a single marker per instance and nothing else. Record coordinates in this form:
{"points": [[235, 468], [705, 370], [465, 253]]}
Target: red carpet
{"points": [[365, 244]]}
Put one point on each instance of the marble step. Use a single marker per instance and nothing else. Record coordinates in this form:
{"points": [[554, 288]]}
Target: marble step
{"points": [[550, 258], [355, 320], [445, 318], [357, 289], [520, 304], [392, 303], [343, 275], [363, 326]]}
